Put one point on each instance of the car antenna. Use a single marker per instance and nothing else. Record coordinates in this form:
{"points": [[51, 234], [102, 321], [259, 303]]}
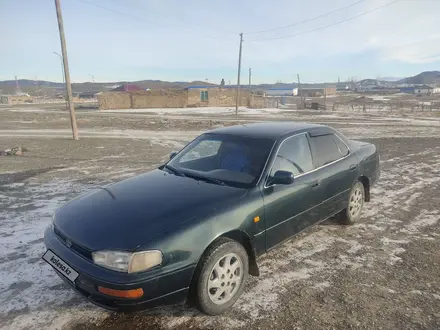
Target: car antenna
{"points": [[109, 192]]}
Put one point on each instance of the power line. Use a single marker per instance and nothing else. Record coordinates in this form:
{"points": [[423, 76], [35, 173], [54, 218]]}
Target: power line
{"points": [[330, 25], [125, 5], [308, 19], [146, 21]]}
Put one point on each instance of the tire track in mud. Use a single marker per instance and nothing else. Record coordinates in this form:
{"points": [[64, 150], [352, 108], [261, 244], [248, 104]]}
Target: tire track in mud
{"points": [[401, 212]]}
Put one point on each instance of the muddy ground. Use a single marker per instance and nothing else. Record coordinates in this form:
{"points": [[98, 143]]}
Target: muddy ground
{"points": [[381, 273]]}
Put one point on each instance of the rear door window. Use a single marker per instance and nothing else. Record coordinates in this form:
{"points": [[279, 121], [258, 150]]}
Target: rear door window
{"points": [[341, 145], [325, 149]]}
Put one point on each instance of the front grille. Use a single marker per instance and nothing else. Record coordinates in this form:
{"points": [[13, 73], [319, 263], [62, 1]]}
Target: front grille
{"points": [[74, 247]]}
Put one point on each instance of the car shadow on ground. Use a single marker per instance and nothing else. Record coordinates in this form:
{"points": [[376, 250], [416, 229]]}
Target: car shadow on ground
{"points": [[333, 221], [176, 317]]}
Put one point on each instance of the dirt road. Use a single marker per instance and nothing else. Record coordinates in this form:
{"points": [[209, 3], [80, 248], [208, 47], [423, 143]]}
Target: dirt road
{"points": [[381, 273]]}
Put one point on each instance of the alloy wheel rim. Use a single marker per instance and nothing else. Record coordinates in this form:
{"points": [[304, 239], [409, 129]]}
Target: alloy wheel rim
{"points": [[225, 278], [356, 201]]}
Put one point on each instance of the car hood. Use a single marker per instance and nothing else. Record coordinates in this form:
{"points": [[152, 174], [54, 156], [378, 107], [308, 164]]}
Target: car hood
{"points": [[126, 214]]}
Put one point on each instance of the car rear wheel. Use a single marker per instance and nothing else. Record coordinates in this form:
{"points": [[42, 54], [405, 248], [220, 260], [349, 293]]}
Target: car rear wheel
{"points": [[223, 272], [355, 204]]}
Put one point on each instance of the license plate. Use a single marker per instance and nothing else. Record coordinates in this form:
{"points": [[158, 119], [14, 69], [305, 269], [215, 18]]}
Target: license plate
{"points": [[60, 265]]}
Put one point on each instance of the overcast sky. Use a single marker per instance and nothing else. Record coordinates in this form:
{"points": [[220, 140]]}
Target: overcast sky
{"points": [[198, 40]]}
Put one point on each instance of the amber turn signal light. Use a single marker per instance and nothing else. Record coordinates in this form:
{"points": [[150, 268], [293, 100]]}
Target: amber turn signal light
{"points": [[130, 294]]}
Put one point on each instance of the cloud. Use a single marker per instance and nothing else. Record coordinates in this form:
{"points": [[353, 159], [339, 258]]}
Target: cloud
{"points": [[401, 32], [154, 35], [425, 51]]}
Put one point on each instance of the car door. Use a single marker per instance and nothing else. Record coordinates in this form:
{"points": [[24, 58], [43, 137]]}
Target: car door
{"points": [[336, 170], [291, 208]]}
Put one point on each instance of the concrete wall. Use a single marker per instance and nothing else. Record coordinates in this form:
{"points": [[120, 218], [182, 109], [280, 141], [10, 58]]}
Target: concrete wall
{"points": [[173, 98], [280, 92], [5, 99], [316, 92], [217, 97], [257, 101], [15, 99], [114, 100], [159, 99], [143, 99]]}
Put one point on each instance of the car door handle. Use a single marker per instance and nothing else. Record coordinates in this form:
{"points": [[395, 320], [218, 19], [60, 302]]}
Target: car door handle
{"points": [[314, 184], [352, 167]]}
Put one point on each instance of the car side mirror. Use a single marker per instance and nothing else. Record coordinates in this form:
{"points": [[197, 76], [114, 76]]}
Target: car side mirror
{"points": [[173, 154], [282, 177]]}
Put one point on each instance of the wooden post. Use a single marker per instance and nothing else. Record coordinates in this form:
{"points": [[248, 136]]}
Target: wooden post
{"points": [[66, 70], [237, 94]]}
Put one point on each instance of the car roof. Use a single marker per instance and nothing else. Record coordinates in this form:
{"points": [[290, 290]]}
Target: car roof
{"points": [[271, 130]]}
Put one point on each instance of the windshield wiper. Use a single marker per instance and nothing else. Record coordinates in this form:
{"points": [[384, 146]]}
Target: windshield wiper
{"points": [[207, 179], [174, 170]]}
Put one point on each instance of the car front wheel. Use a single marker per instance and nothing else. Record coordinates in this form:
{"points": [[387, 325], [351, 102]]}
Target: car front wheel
{"points": [[223, 272]]}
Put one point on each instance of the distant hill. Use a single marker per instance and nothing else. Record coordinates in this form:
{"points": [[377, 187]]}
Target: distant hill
{"points": [[427, 77], [52, 88], [41, 87], [374, 83], [390, 79], [159, 84]]}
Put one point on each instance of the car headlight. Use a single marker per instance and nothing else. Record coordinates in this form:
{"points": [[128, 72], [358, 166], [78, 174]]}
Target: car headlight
{"points": [[126, 261]]}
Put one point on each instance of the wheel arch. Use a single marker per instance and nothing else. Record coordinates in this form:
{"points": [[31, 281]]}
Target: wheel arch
{"points": [[244, 239], [366, 183], [234, 235]]}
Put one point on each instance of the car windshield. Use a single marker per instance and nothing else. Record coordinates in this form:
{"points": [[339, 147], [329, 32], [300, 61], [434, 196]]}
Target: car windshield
{"points": [[223, 159]]}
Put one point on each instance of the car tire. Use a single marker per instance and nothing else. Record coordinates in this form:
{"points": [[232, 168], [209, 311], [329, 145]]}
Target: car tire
{"points": [[356, 201], [223, 271]]}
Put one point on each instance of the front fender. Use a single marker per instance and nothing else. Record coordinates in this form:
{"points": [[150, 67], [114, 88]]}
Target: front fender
{"points": [[184, 246]]}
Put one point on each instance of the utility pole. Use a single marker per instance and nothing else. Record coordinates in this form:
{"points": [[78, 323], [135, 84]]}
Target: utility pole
{"points": [[66, 70], [325, 96], [36, 85], [237, 94], [93, 81], [250, 75], [300, 92], [17, 87]]}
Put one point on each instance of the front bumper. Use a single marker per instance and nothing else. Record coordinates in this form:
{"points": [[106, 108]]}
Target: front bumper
{"points": [[159, 288]]}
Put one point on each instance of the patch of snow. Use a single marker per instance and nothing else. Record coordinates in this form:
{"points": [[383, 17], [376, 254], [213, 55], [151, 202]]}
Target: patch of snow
{"points": [[345, 261], [264, 295], [30, 287], [159, 137], [200, 110], [424, 219], [27, 110], [411, 200], [416, 292], [393, 255], [323, 285], [386, 241]]}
